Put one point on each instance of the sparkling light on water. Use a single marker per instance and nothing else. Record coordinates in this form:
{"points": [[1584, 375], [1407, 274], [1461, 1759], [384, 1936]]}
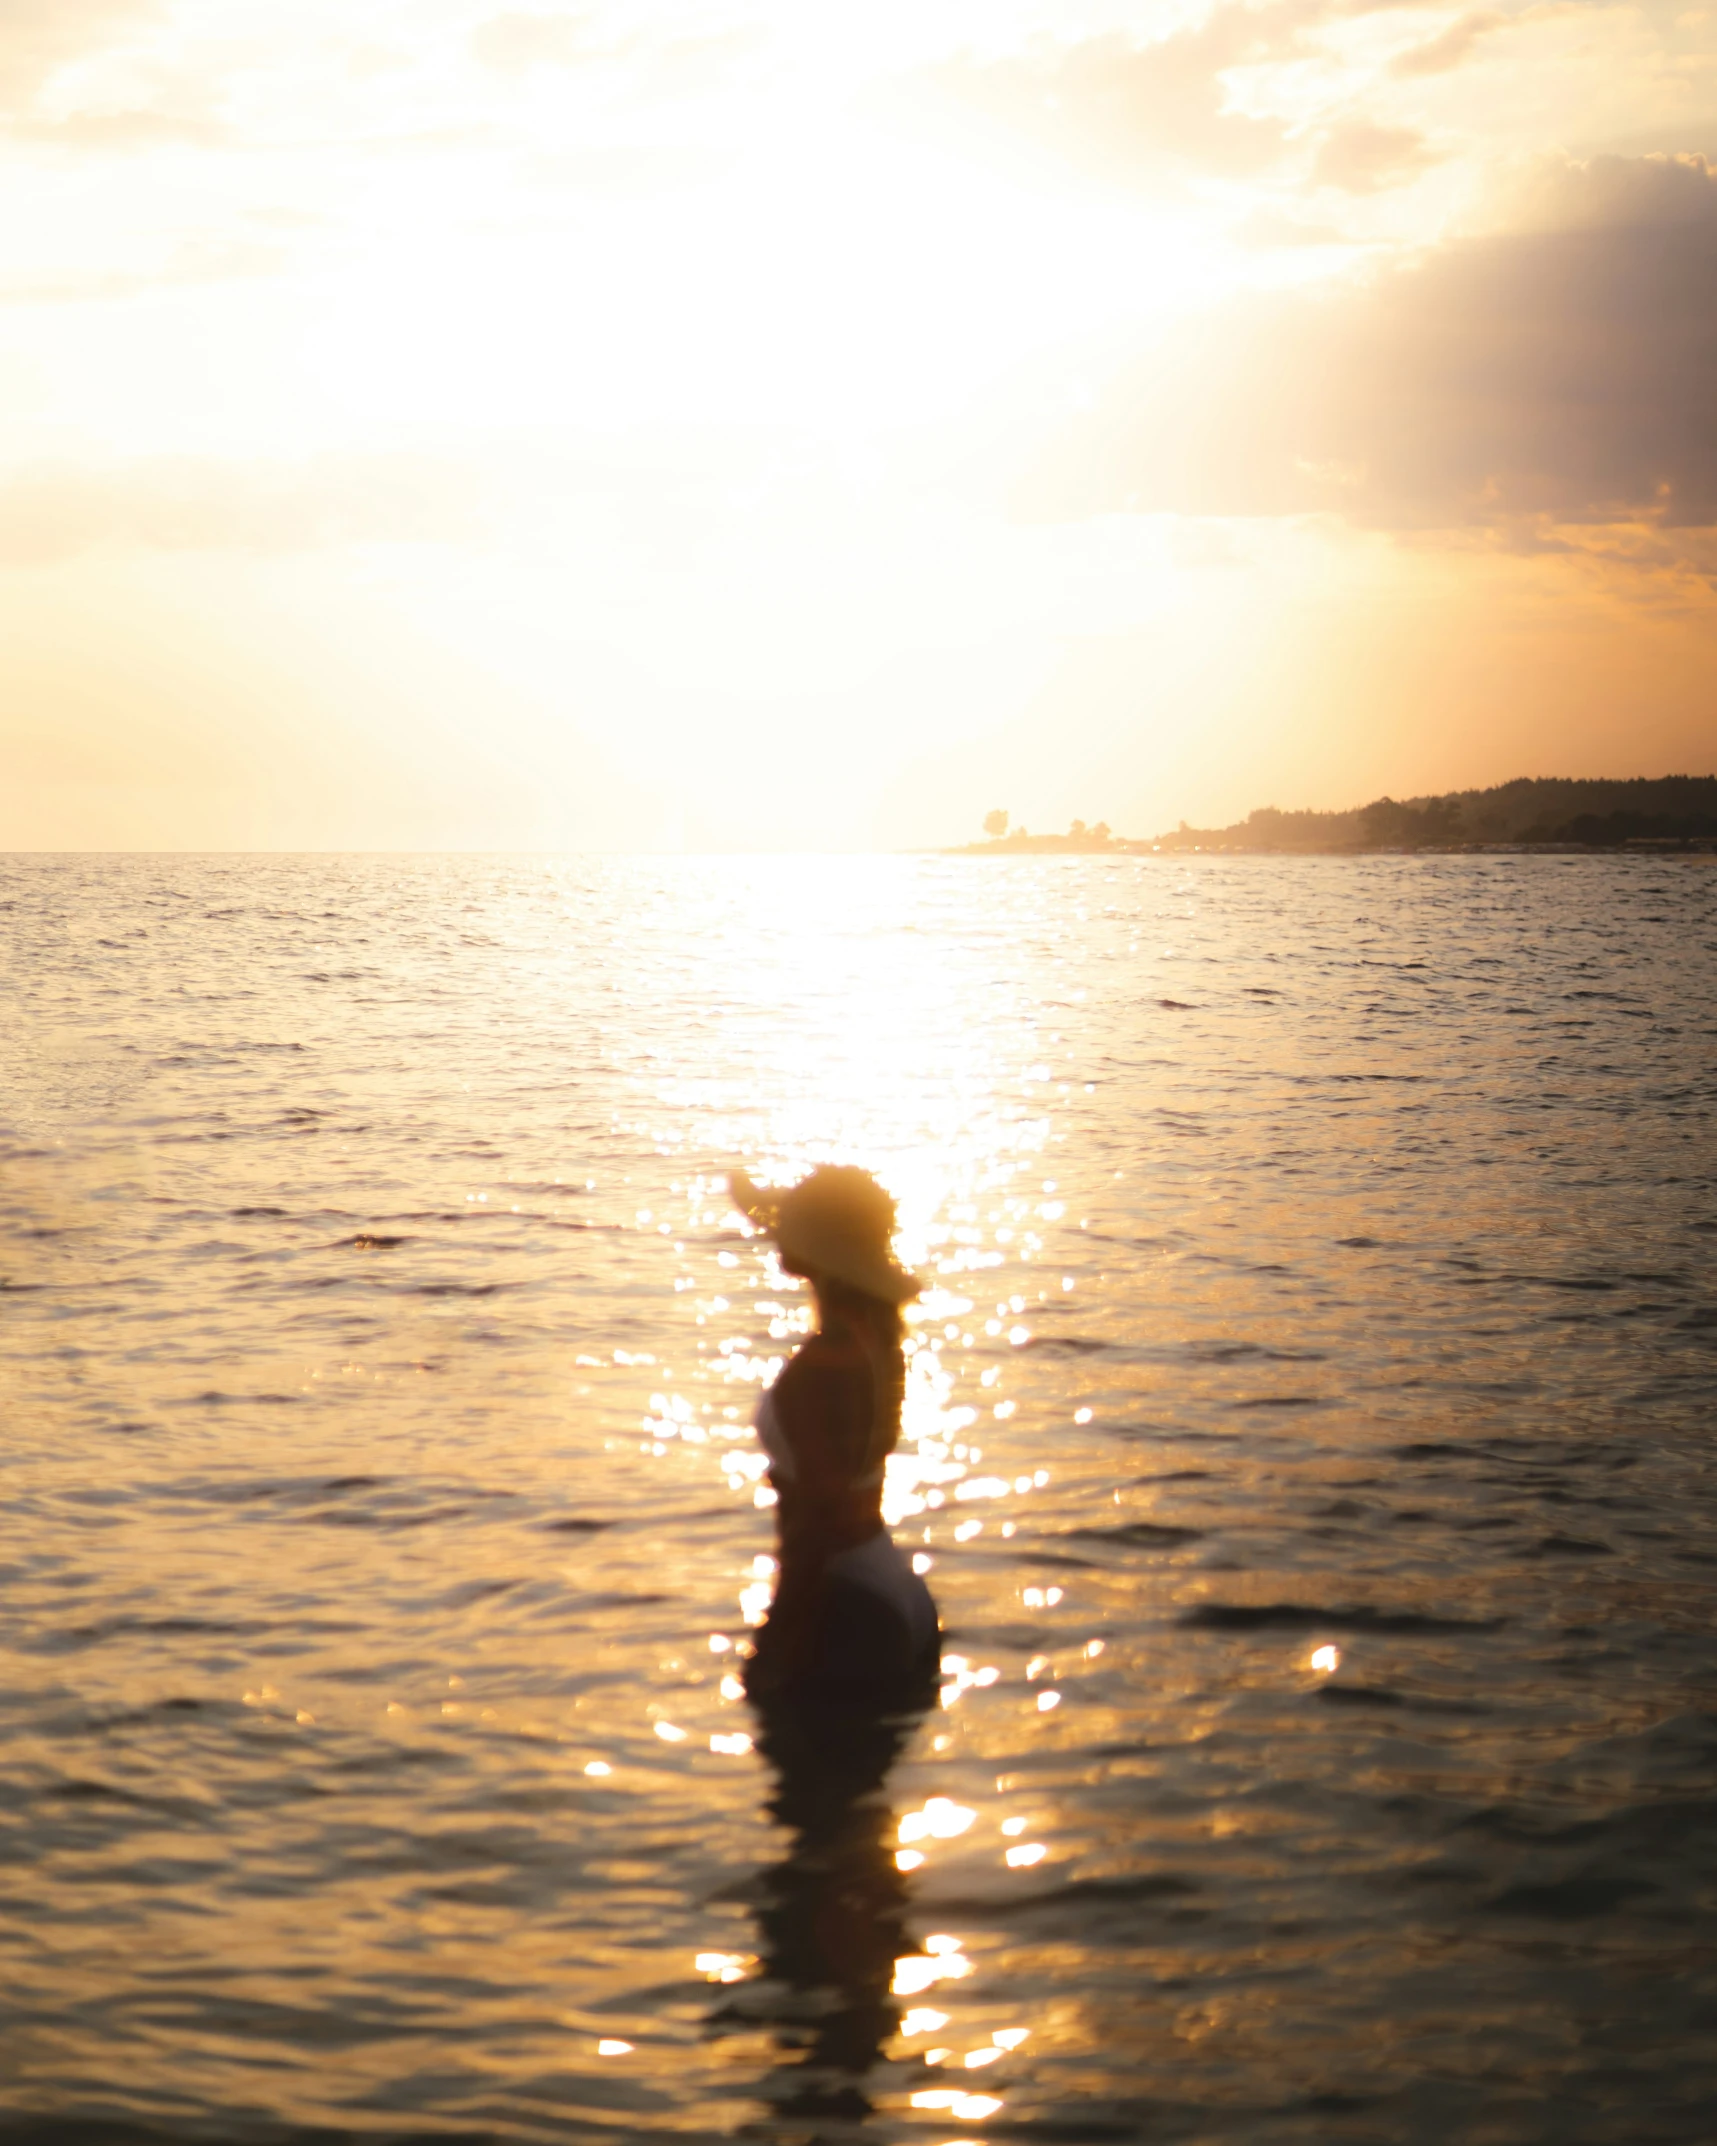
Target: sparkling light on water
{"points": [[1327, 1562]]}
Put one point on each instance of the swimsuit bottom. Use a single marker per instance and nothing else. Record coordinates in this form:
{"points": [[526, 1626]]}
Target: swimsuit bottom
{"points": [[878, 1635]]}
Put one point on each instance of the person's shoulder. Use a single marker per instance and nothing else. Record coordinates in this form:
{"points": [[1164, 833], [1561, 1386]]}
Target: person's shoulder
{"points": [[824, 1372]]}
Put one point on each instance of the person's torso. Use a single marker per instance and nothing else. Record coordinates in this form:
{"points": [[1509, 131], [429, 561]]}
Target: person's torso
{"points": [[828, 1425]]}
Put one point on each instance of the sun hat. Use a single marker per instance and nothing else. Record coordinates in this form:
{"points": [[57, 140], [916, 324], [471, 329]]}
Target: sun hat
{"points": [[835, 1222]]}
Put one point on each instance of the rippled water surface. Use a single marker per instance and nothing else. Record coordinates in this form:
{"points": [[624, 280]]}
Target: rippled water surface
{"points": [[1310, 1430]]}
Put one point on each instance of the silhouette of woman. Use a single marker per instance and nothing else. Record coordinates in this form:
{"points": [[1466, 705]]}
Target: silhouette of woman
{"points": [[850, 1619]]}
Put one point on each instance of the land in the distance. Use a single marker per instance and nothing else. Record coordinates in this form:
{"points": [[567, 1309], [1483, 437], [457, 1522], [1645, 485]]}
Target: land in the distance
{"points": [[1667, 811]]}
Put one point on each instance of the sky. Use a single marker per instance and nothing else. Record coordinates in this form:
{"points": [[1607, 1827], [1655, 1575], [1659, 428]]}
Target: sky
{"points": [[669, 425]]}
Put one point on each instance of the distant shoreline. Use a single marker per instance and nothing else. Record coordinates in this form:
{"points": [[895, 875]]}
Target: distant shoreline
{"points": [[1061, 846], [1667, 815]]}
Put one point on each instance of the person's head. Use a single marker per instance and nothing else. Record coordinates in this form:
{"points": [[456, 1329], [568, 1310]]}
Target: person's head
{"points": [[834, 1228]]}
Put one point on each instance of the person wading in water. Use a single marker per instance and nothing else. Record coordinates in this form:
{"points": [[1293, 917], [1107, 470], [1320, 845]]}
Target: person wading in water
{"points": [[850, 1618]]}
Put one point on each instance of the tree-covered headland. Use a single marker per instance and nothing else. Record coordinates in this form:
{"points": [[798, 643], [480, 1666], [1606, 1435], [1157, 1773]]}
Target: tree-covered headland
{"points": [[1561, 812]]}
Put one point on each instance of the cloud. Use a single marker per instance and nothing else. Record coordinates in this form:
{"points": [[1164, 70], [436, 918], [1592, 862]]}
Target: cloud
{"points": [[1447, 50], [521, 41], [1563, 368], [38, 37], [1611, 193], [517, 41], [53, 512], [1127, 108], [1359, 156], [1124, 107], [133, 127]]}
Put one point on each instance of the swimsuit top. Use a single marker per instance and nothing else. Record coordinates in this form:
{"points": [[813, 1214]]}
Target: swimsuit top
{"points": [[772, 1437]]}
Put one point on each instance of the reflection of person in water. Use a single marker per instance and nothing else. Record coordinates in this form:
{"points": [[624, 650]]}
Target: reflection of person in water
{"points": [[831, 1914], [850, 1618]]}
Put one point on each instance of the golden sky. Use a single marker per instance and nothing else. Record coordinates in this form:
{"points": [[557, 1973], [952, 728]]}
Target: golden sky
{"points": [[429, 424]]}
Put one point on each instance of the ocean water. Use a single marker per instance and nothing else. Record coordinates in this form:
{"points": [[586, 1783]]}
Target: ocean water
{"points": [[1310, 1434]]}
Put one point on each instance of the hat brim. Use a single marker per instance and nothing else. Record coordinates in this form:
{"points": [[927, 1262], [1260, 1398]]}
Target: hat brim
{"points": [[806, 1247], [757, 1203]]}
